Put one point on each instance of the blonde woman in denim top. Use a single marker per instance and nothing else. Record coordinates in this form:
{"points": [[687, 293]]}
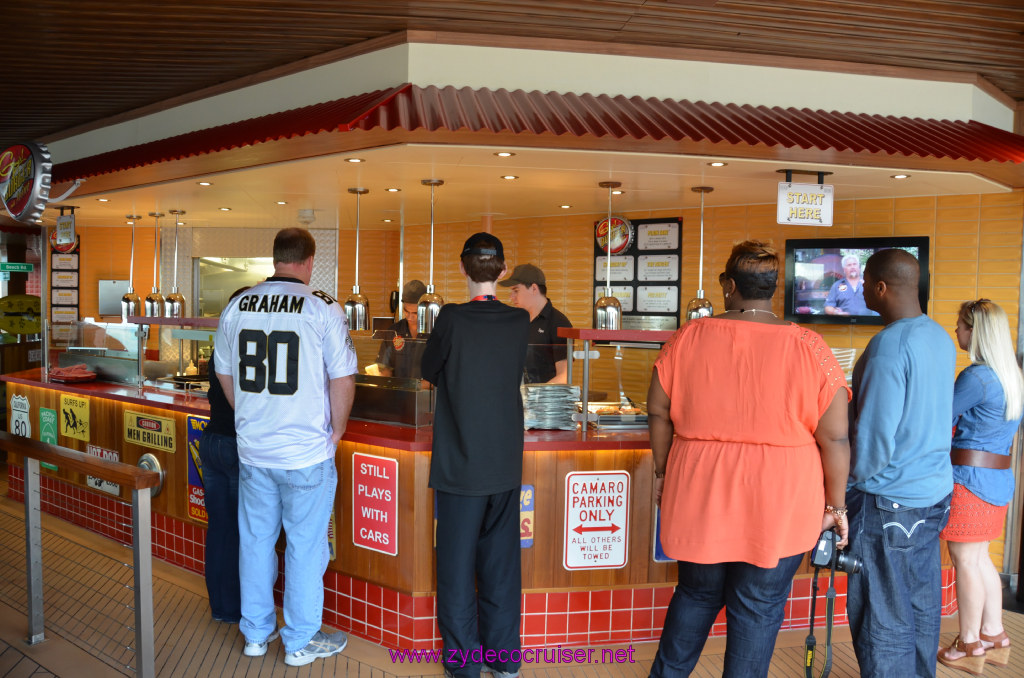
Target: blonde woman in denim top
{"points": [[987, 403]]}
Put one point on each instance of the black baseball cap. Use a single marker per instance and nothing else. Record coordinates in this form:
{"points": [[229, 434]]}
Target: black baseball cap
{"points": [[483, 244]]}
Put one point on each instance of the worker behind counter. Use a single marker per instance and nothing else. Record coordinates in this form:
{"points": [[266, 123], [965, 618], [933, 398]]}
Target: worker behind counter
{"points": [[546, 358], [399, 357]]}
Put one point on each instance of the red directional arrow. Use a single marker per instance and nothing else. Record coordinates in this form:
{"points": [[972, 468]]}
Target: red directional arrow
{"points": [[613, 528]]}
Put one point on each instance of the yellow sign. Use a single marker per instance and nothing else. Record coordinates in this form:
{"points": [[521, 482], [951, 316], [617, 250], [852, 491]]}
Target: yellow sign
{"points": [[149, 431], [74, 417]]}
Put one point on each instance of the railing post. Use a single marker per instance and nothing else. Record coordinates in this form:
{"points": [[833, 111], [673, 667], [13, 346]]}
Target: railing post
{"points": [[33, 552], [142, 557]]}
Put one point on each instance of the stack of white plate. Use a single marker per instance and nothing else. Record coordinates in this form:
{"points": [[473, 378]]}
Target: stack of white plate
{"points": [[549, 406]]}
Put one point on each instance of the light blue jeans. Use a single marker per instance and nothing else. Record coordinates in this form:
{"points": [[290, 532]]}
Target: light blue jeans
{"points": [[299, 500]]}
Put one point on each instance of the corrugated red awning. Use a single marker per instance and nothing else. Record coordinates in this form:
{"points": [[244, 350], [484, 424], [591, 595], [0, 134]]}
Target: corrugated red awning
{"points": [[410, 107]]}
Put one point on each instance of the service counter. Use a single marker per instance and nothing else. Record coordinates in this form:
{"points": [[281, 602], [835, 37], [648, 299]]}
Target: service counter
{"points": [[588, 516]]}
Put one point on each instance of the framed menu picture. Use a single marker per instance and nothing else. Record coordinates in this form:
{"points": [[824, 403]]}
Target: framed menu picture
{"points": [[645, 269]]}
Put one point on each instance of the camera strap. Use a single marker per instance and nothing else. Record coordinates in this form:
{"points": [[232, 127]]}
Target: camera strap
{"points": [[830, 607]]}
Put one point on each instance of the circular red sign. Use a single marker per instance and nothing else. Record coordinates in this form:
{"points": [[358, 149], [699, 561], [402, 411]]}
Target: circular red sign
{"points": [[25, 180], [622, 234], [65, 247]]}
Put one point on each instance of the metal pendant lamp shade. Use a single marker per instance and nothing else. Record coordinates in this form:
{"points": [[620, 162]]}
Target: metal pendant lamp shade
{"points": [[154, 302], [608, 309], [430, 303], [699, 307], [174, 303], [130, 302], [357, 306]]}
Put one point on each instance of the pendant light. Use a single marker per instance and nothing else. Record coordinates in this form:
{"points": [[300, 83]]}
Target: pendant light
{"points": [[357, 306], [608, 309], [430, 303], [699, 307], [154, 303], [130, 302], [174, 303]]}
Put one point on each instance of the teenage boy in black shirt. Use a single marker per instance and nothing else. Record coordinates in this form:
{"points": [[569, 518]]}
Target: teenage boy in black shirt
{"points": [[475, 357]]}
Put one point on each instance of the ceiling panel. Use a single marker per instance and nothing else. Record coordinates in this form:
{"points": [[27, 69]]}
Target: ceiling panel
{"points": [[70, 63]]}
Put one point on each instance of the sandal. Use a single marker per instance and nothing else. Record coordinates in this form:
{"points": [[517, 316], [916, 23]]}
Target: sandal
{"points": [[971, 662], [998, 654]]}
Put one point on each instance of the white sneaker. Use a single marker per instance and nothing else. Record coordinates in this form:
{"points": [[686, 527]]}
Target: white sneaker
{"points": [[320, 646], [258, 649]]}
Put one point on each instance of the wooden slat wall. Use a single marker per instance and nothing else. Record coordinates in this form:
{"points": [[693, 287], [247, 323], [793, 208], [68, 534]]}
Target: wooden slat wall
{"points": [[975, 242]]}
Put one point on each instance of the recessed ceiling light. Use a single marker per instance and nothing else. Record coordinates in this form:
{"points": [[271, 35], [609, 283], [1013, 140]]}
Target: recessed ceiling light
{"points": [[565, 207], [130, 223], [618, 192], [282, 202], [392, 190], [225, 209], [354, 160], [102, 200], [510, 177], [386, 221], [205, 183], [504, 154], [181, 223], [718, 163], [900, 176]]}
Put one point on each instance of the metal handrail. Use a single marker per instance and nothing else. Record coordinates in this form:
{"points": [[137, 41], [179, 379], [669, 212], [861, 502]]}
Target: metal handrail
{"points": [[141, 482]]}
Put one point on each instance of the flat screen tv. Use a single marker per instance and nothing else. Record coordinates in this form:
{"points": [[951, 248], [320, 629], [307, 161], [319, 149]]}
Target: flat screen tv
{"points": [[824, 277]]}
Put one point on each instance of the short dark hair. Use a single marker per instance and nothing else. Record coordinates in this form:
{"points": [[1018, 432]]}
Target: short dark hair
{"points": [[482, 267], [896, 267], [293, 246], [754, 267], [543, 289]]}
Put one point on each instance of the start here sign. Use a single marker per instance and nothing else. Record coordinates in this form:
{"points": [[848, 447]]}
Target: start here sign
{"points": [[375, 503], [596, 520]]}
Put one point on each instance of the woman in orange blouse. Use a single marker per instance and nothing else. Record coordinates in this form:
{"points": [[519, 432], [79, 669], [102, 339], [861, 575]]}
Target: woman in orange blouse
{"points": [[748, 423]]}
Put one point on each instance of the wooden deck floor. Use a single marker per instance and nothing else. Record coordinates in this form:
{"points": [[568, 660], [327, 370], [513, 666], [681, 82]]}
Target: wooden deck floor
{"points": [[189, 643]]}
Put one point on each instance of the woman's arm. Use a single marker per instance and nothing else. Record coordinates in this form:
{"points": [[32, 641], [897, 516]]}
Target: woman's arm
{"points": [[834, 447], [659, 423]]}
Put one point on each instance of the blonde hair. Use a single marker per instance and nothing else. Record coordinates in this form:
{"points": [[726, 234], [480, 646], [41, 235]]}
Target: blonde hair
{"points": [[991, 345]]}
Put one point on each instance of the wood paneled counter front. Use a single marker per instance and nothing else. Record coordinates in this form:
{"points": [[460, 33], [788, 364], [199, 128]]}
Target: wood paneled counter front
{"points": [[607, 519]]}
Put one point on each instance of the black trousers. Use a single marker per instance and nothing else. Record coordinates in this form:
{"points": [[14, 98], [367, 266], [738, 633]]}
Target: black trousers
{"points": [[479, 581]]}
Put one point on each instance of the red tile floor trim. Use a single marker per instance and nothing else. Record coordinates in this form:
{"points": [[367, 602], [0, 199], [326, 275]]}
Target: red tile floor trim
{"points": [[399, 620]]}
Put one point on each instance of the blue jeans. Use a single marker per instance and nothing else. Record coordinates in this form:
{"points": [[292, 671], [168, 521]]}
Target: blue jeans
{"points": [[219, 454], [479, 580], [894, 603], [755, 604], [299, 500]]}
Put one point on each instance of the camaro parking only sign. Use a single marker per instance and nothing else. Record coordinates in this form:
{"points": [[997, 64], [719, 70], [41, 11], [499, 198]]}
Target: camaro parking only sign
{"points": [[596, 520], [149, 431]]}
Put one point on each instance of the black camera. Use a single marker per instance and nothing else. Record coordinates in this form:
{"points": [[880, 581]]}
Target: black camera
{"points": [[821, 556]]}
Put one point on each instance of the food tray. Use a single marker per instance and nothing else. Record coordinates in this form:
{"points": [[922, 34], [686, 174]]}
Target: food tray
{"points": [[73, 379], [618, 421]]}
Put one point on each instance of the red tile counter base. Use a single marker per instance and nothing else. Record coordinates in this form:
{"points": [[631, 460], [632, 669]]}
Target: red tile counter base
{"points": [[398, 620]]}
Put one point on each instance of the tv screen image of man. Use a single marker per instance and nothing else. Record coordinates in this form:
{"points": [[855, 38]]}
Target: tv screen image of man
{"points": [[846, 296]]}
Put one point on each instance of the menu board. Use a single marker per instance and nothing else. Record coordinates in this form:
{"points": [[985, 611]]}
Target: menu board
{"points": [[64, 282], [645, 271]]}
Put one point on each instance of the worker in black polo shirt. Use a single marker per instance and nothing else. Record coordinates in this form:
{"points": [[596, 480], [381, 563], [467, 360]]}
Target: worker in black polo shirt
{"points": [[546, 358], [397, 356]]}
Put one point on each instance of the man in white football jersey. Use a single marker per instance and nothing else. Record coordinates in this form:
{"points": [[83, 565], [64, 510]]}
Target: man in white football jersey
{"points": [[285, 360]]}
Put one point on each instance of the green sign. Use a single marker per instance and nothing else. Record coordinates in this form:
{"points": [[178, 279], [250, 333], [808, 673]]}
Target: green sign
{"points": [[12, 267], [48, 425]]}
